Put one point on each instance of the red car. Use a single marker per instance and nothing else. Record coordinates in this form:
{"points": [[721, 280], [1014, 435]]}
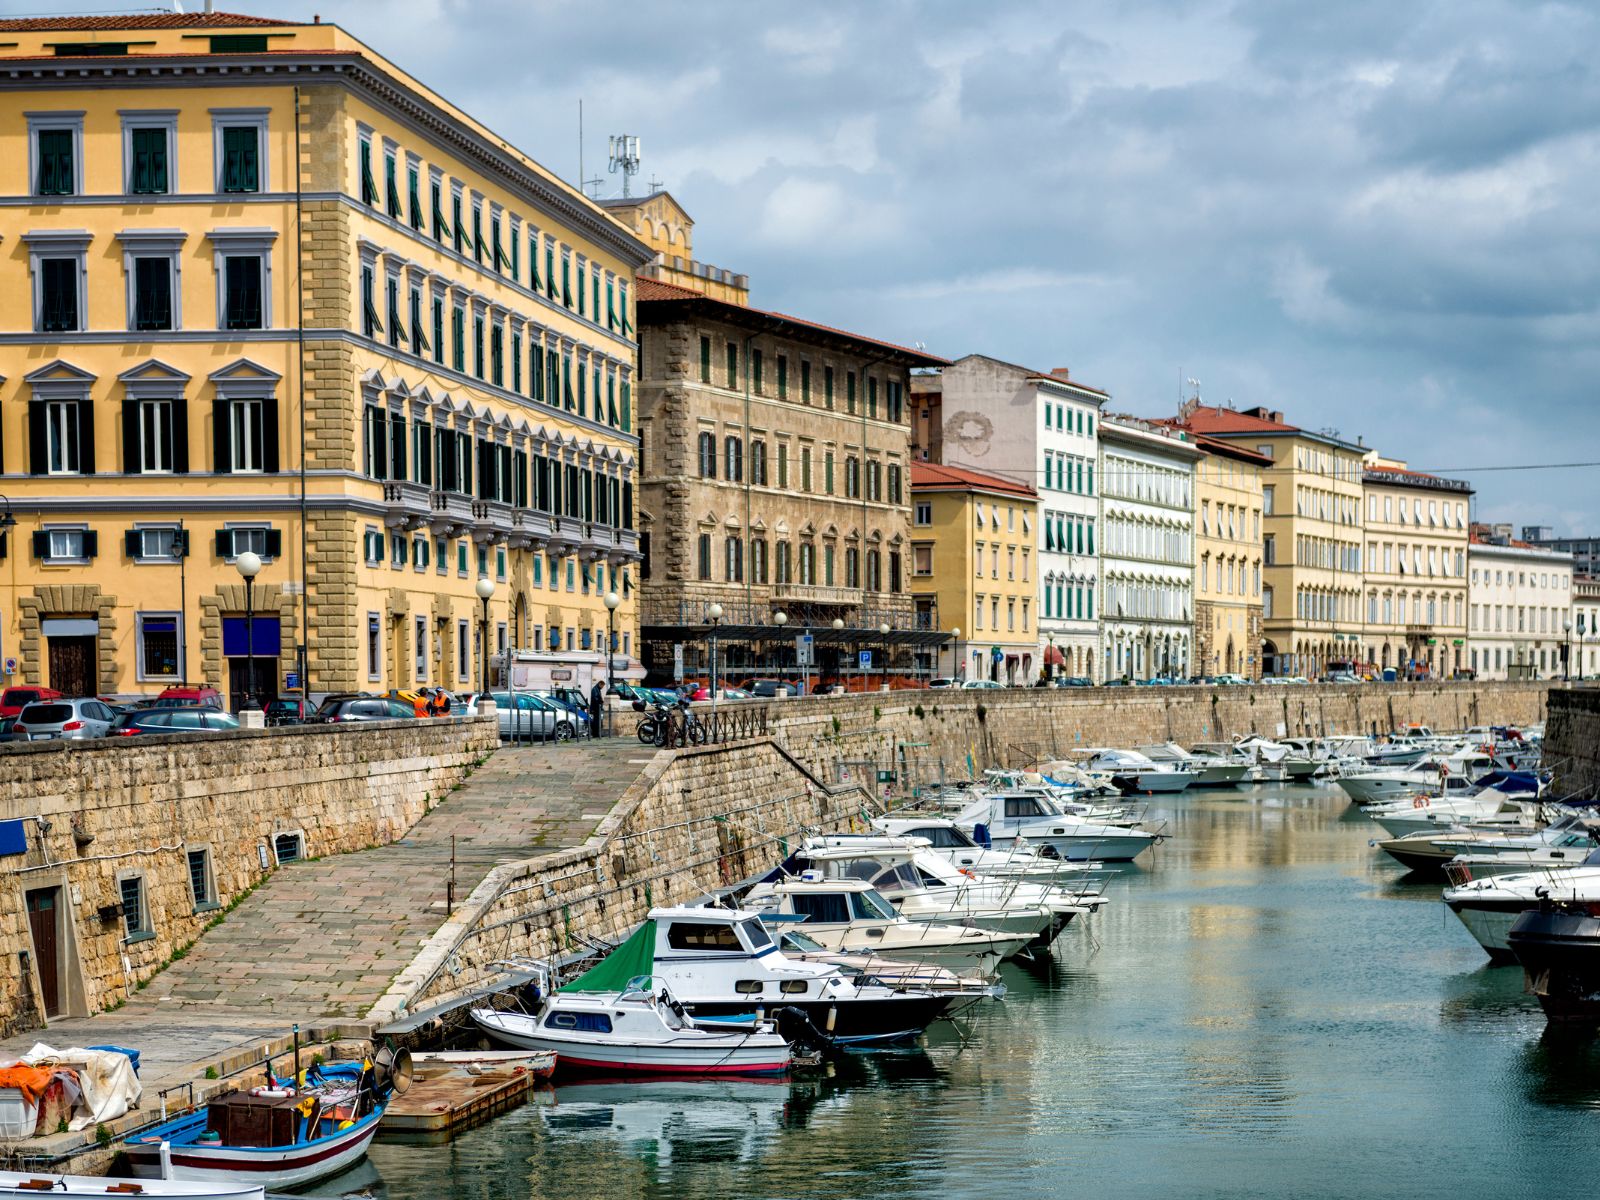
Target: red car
{"points": [[14, 699], [201, 695]]}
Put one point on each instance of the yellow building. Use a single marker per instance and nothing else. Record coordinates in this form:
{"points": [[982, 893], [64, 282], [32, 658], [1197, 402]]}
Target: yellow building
{"points": [[267, 292], [1417, 528], [974, 550], [1311, 538], [1227, 581]]}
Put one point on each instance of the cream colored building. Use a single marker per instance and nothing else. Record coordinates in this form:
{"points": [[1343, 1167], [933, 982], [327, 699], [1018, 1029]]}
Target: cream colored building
{"points": [[975, 551], [1311, 548], [1227, 585], [268, 292], [1520, 599], [1585, 638], [1416, 570]]}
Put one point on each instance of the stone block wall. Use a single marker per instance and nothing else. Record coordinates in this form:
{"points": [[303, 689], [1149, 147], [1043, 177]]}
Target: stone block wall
{"points": [[918, 731], [97, 812], [1572, 742], [694, 821]]}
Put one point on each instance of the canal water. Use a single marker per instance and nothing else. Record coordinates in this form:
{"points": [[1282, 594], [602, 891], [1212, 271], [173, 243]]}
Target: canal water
{"points": [[1266, 1009]]}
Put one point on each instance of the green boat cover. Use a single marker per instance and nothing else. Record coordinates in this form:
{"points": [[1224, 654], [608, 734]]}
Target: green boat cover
{"points": [[635, 957]]}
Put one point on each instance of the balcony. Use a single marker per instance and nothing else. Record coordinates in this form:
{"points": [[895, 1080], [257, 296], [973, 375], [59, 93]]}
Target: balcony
{"points": [[451, 514], [811, 593], [491, 522], [406, 505]]}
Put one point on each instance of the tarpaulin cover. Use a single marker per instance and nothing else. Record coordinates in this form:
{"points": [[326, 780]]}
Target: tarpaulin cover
{"points": [[110, 1088], [635, 957]]}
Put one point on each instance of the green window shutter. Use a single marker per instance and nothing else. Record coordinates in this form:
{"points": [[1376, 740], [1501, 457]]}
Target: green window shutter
{"points": [[240, 146], [455, 222], [392, 185], [441, 228], [414, 194], [627, 408], [566, 282], [369, 187], [533, 262], [516, 266], [149, 161], [550, 269], [55, 162], [480, 249]]}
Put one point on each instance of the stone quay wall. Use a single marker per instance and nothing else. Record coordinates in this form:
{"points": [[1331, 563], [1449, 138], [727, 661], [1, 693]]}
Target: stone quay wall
{"points": [[918, 734], [1572, 742], [97, 813], [696, 820]]}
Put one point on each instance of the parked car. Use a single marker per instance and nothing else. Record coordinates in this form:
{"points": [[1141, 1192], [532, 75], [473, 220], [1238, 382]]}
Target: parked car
{"points": [[71, 720], [346, 708], [769, 689], [202, 694], [290, 710], [1221, 680], [14, 699], [1341, 677], [532, 717], [944, 681], [1073, 681], [187, 719], [983, 684], [8, 731]]}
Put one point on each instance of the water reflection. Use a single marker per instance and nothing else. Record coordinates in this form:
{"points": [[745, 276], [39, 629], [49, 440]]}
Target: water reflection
{"points": [[1263, 1008]]}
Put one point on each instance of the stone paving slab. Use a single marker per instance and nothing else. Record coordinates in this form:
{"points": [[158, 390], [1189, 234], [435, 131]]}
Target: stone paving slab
{"points": [[321, 940]]}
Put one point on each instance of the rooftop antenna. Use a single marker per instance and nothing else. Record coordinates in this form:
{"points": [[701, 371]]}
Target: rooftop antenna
{"points": [[624, 153], [1195, 385], [655, 184]]}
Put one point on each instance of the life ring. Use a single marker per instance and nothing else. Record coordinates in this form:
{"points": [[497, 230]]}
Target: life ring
{"points": [[1417, 802]]}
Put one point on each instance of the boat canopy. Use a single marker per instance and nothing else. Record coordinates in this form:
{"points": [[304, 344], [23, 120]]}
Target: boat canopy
{"points": [[635, 957], [1510, 781]]}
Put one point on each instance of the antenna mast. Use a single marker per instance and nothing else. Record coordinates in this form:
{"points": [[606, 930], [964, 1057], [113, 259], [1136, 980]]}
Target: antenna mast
{"points": [[624, 155]]}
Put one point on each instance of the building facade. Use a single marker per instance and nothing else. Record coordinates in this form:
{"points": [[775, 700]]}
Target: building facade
{"points": [[1311, 539], [775, 457], [270, 293], [1585, 551], [975, 551], [1147, 550], [1585, 639], [1520, 603], [1227, 586], [1416, 571], [1036, 429]]}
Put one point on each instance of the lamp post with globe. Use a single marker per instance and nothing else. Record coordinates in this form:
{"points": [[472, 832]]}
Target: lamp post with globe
{"points": [[484, 589], [249, 566], [612, 602]]}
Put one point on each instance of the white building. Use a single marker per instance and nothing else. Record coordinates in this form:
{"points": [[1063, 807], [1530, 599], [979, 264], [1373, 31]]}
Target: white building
{"points": [[1519, 606], [1146, 550], [1585, 627], [1037, 429]]}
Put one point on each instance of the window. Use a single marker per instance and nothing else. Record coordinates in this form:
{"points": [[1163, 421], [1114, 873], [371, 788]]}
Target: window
{"points": [[708, 454], [150, 423], [922, 560], [288, 847], [733, 560], [705, 360], [64, 436], [783, 465], [57, 260], [923, 513], [732, 373], [239, 137], [57, 163], [260, 540], [734, 450], [159, 638], [783, 377], [148, 141], [155, 543], [71, 544], [152, 293], [703, 557], [135, 920]]}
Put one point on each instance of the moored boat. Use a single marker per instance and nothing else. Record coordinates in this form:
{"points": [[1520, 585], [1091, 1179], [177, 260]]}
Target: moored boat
{"points": [[1559, 949], [35, 1184]]}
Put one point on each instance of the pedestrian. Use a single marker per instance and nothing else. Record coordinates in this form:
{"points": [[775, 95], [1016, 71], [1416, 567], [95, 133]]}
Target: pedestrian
{"points": [[597, 707], [439, 704]]}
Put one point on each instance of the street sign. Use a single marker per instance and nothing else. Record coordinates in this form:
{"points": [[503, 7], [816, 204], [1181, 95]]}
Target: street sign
{"points": [[677, 662], [864, 660], [885, 776], [805, 651], [291, 681]]}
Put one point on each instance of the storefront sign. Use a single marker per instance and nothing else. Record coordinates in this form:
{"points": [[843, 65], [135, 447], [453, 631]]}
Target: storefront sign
{"points": [[560, 673]]}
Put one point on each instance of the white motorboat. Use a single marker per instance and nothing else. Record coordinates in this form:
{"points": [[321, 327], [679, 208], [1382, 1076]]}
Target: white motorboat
{"points": [[1489, 907], [1448, 773], [925, 887], [799, 946], [1134, 772], [1490, 804], [849, 915], [1295, 767], [640, 1030], [35, 1184], [1208, 770], [1257, 770], [998, 820], [1019, 861]]}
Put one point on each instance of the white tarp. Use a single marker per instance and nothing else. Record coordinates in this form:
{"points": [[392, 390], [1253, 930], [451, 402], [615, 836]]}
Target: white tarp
{"points": [[110, 1088]]}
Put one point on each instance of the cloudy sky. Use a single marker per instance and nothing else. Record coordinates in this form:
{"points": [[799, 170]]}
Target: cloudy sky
{"points": [[1379, 217]]}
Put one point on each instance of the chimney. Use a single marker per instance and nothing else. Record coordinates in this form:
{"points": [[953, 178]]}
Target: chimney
{"points": [[1277, 416], [1061, 372]]}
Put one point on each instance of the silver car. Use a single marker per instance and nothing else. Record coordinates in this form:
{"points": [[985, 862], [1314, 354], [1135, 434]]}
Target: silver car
{"points": [[533, 717], [46, 720]]}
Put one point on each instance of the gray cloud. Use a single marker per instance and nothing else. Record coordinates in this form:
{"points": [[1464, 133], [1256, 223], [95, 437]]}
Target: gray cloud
{"points": [[1370, 214]]}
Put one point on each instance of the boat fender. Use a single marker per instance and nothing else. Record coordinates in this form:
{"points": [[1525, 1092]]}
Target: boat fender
{"points": [[833, 1016], [343, 1125]]}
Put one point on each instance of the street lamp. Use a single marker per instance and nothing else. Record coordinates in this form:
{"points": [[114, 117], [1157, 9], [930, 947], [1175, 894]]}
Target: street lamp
{"points": [[838, 627], [1566, 651], [485, 589], [883, 630], [249, 566], [612, 601], [715, 613], [955, 653]]}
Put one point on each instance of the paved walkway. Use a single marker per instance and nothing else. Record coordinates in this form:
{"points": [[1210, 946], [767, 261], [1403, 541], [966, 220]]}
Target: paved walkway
{"points": [[322, 940]]}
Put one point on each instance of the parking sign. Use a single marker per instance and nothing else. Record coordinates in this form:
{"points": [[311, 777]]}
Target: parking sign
{"points": [[865, 659]]}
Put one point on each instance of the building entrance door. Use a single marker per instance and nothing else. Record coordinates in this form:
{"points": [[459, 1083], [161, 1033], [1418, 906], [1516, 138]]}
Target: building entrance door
{"points": [[72, 665], [44, 924], [263, 681]]}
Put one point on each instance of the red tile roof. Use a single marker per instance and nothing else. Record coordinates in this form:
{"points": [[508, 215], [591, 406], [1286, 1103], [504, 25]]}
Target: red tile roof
{"points": [[937, 475], [103, 24], [647, 290], [1213, 445], [1226, 420]]}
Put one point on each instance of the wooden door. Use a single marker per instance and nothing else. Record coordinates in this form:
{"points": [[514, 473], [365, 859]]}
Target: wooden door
{"points": [[72, 665], [42, 921]]}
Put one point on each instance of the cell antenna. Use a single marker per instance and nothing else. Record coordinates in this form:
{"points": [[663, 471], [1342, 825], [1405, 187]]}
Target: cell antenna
{"points": [[624, 156]]}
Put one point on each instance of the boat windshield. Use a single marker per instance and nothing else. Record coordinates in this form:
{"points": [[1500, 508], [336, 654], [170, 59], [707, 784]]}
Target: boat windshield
{"points": [[1593, 858], [794, 940], [943, 837], [755, 934], [870, 906]]}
